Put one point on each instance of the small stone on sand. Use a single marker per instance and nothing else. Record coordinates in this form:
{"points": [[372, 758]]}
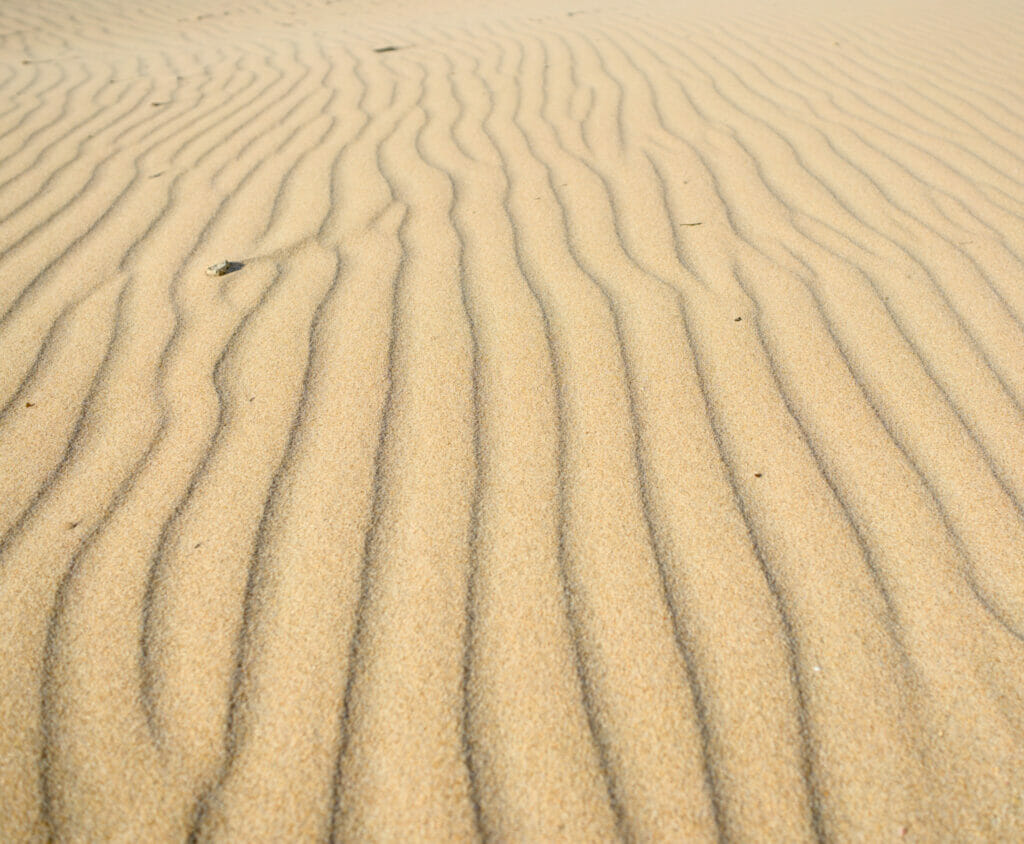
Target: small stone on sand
{"points": [[223, 268]]}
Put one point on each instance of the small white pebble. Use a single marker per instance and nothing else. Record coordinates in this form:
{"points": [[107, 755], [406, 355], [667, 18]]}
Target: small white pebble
{"points": [[222, 268]]}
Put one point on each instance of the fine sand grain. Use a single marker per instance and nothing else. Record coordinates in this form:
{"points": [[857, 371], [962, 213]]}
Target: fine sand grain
{"points": [[609, 423]]}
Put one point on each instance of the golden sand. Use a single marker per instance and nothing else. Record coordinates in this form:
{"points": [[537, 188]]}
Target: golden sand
{"points": [[611, 424]]}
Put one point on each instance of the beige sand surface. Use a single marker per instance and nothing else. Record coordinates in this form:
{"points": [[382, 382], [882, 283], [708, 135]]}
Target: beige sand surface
{"points": [[615, 428]]}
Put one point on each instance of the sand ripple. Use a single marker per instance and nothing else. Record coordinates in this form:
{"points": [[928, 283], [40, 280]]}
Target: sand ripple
{"points": [[612, 425]]}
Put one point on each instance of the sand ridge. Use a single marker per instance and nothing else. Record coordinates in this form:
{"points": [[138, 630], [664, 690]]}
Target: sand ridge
{"points": [[614, 428]]}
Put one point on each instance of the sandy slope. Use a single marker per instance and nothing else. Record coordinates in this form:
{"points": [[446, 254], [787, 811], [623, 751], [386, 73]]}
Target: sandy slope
{"points": [[616, 427]]}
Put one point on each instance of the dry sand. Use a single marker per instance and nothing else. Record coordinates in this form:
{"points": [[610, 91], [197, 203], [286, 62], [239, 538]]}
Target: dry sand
{"points": [[615, 428]]}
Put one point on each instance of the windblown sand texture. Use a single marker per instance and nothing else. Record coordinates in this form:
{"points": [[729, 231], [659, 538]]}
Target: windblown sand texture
{"points": [[615, 428]]}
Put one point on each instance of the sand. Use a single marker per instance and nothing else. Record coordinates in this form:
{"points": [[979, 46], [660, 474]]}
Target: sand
{"points": [[611, 425]]}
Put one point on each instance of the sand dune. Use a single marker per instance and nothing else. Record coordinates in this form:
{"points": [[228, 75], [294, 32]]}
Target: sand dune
{"points": [[614, 428]]}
